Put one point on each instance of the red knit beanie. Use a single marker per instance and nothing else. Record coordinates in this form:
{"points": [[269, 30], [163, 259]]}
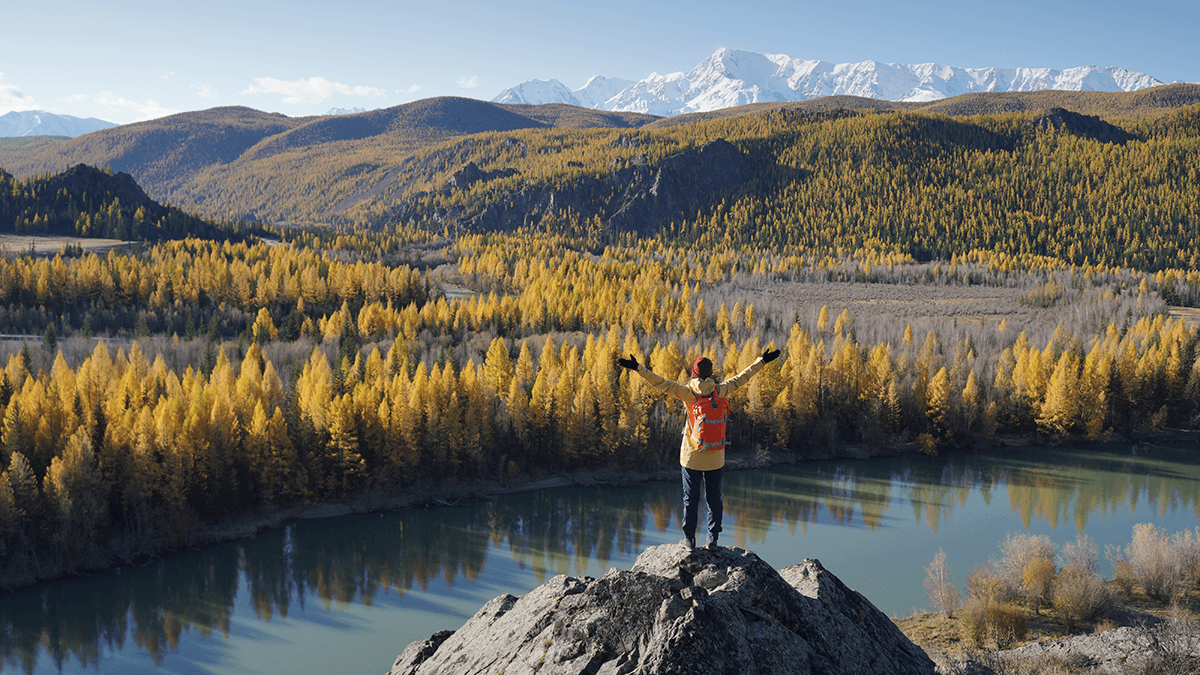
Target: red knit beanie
{"points": [[702, 368]]}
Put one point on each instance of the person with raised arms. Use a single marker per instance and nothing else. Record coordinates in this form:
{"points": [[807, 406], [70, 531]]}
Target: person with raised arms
{"points": [[702, 450]]}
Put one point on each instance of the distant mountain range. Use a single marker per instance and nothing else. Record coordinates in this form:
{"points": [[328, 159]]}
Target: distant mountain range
{"points": [[236, 161], [732, 78], [42, 123]]}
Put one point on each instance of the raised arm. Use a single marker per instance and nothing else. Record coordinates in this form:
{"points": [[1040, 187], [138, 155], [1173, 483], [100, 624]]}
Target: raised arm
{"points": [[743, 377], [671, 387]]}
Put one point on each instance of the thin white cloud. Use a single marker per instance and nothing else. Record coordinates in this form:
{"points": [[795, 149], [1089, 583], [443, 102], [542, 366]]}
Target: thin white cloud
{"points": [[312, 90], [144, 111], [203, 90], [12, 98], [414, 88], [164, 74], [468, 81]]}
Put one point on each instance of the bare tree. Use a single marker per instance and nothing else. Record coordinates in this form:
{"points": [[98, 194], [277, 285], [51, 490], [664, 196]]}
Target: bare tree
{"points": [[943, 594]]}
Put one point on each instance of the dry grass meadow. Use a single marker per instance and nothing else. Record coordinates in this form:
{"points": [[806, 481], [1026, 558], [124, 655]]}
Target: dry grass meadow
{"points": [[17, 244]]}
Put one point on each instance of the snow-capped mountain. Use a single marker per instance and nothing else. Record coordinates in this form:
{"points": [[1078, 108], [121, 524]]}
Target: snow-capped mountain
{"points": [[345, 111], [538, 91], [41, 123], [732, 77], [600, 89], [594, 94]]}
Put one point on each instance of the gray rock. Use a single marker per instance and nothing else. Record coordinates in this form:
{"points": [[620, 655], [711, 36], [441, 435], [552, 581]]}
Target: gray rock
{"points": [[724, 611], [1158, 649]]}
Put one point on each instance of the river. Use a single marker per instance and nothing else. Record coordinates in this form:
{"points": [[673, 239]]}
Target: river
{"points": [[346, 594]]}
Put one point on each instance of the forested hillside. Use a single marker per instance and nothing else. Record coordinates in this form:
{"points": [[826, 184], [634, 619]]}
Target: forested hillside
{"points": [[87, 202], [1056, 184], [243, 162], [236, 162]]}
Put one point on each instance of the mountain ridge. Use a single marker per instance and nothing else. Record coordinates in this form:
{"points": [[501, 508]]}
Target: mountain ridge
{"points": [[19, 123], [730, 78], [239, 162]]}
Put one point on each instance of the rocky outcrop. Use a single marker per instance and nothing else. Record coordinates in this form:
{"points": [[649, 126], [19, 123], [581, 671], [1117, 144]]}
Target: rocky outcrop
{"points": [[1163, 648], [653, 195], [635, 195], [1088, 126], [675, 611], [470, 174]]}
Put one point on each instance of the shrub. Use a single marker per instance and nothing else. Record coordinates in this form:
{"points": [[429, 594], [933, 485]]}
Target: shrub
{"points": [[998, 624], [1037, 580], [1123, 577], [1017, 551], [1187, 547], [1083, 554], [1009, 624], [943, 594], [1155, 562], [1080, 596], [983, 583], [988, 621], [973, 619]]}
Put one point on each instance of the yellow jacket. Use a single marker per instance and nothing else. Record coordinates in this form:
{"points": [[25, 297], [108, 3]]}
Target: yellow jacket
{"points": [[689, 454]]}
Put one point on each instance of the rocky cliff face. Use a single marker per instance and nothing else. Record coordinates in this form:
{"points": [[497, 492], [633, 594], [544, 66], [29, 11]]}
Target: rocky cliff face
{"points": [[635, 196], [1087, 126], [676, 611]]}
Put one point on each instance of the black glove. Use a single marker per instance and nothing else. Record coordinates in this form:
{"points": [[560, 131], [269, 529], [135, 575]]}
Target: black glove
{"points": [[769, 356], [630, 363]]}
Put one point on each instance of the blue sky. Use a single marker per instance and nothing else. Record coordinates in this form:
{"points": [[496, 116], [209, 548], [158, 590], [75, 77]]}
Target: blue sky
{"points": [[129, 60]]}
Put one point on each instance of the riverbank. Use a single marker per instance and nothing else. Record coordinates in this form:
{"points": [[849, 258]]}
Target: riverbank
{"points": [[944, 640], [422, 495], [429, 494]]}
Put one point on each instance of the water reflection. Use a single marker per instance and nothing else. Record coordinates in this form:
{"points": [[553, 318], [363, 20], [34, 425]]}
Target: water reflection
{"points": [[361, 559]]}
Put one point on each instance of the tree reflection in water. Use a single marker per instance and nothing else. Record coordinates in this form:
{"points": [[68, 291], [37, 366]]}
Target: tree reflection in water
{"points": [[352, 559]]}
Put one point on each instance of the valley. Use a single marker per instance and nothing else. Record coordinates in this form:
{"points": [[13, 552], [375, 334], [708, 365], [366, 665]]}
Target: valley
{"points": [[938, 284]]}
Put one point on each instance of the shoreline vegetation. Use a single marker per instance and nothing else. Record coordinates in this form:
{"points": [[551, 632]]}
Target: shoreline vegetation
{"points": [[1036, 620], [249, 524], [944, 641]]}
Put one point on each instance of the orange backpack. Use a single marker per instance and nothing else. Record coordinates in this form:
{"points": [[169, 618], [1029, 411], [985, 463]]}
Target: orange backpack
{"points": [[706, 421]]}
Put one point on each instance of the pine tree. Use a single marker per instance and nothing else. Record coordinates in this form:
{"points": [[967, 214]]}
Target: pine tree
{"points": [[263, 329], [74, 496], [345, 458], [498, 366], [29, 507], [1060, 411], [823, 319], [939, 411]]}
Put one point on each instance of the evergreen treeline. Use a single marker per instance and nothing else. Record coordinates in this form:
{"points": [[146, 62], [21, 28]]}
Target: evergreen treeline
{"points": [[194, 287], [87, 202], [353, 377], [915, 183]]}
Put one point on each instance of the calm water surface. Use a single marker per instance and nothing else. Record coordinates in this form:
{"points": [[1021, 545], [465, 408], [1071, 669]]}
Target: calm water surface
{"points": [[346, 594]]}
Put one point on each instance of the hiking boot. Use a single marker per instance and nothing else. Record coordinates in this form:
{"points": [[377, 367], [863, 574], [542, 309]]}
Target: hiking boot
{"points": [[689, 543], [712, 544]]}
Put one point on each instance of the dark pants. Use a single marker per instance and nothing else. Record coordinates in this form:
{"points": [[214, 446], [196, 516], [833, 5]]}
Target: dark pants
{"points": [[691, 500]]}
